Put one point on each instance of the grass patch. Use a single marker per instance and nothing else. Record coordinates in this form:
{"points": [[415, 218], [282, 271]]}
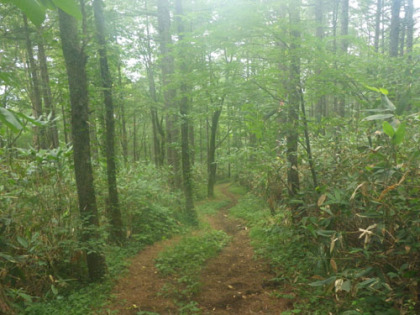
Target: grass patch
{"points": [[212, 207], [237, 189], [183, 263], [251, 209]]}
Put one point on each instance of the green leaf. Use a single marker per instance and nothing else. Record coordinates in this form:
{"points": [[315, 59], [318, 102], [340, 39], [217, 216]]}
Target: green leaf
{"points": [[388, 129], [384, 91], [399, 135], [34, 121], [346, 286], [323, 282], [8, 258], [388, 104], [34, 10], [48, 4], [10, 120], [378, 117], [22, 242], [372, 88], [70, 7], [367, 283], [363, 272], [54, 289]]}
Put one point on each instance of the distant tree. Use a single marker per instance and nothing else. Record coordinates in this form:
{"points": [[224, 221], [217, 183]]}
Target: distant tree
{"points": [[169, 93], [293, 99], [394, 32]]}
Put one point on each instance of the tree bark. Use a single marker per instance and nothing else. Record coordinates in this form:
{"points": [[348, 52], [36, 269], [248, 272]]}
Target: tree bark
{"points": [[117, 234], [394, 28], [211, 156], [52, 131], [410, 25], [190, 213], [39, 136], [294, 101], [344, 26], [378, 15], [319, 18], [124, 140], [167, 66], [157, 128], [75, 60]]}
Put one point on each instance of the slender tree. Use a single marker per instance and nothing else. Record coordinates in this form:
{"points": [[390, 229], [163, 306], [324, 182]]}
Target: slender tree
{"points": [[38, 135], [117, 229], [293, 100], [184, 113], [52, 130], [394, 33], [378, 15], [75, 60], [167, 66]]}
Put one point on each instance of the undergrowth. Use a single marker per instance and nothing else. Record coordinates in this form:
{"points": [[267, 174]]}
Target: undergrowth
{"points": [[302, 264], [42, 261]]}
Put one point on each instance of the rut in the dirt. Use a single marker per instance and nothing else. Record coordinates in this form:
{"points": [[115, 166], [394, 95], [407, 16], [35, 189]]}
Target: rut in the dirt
{"points": [[232, 282]]}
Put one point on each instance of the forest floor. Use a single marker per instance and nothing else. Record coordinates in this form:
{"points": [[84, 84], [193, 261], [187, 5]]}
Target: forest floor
{"points": [[234, 282]]}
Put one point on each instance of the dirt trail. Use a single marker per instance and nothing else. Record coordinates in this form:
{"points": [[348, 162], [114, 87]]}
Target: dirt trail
{"points": [[232, 282]]}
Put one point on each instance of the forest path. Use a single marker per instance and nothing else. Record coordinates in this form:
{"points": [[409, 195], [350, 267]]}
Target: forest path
{"points": [[232, 283]]}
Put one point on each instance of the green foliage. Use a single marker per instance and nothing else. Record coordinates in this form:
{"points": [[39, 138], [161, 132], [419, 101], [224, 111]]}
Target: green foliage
{"points": [[40, 249], [35, 10]]}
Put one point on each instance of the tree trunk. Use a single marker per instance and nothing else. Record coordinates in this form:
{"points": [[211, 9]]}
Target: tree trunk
{"points": [[157, 128], [294, 102], [75, 60], [319, 19], [378, 15], [211, 156], [124, 140], [344, 26], [190, 213], [167, 65], [135, 156], [410, 25], [117, 230], [52, 131], [39, 138], [394, 28]]}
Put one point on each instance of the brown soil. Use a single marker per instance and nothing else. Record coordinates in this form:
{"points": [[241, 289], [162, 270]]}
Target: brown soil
{"points": [[232, 283]]}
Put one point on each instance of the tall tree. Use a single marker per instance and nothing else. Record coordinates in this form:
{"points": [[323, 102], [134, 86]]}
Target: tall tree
{"points": [[184, 113], [75, 60], [157, 128], [378, 15], [409, 8], [394, 33], [36, 99], [293, 99], [345, 25], [167, 66], [52, 130], [117, 229]]}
